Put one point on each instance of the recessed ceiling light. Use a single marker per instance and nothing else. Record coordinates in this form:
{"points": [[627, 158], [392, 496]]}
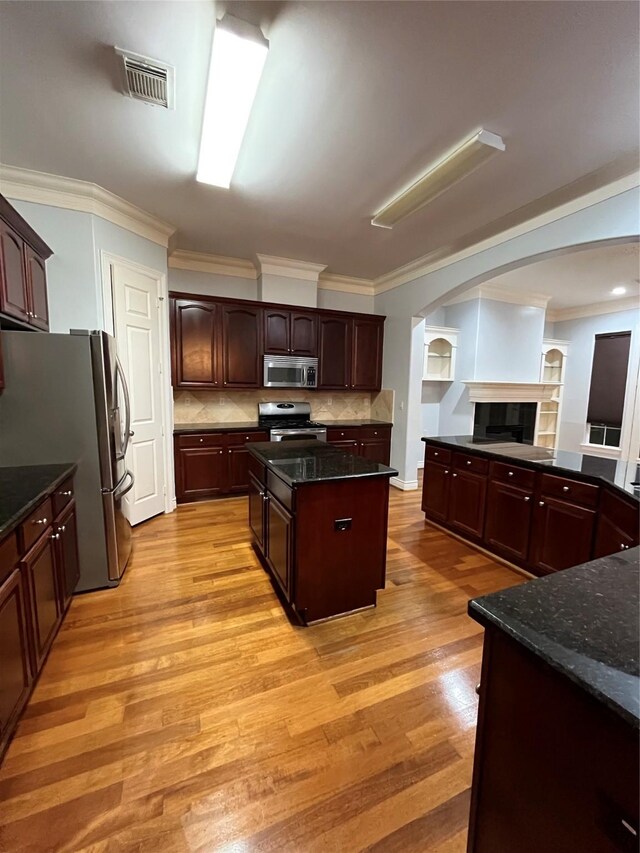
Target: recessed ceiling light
{"points": [[619, 291], [459, 163], [238, 54]]}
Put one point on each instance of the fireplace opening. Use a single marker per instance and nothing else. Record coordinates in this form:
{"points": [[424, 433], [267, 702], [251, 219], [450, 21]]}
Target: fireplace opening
{"points": [[505, 422]]}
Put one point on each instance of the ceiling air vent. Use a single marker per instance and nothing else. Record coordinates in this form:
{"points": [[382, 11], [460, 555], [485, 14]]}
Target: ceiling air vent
{"points": [[147, 79]]}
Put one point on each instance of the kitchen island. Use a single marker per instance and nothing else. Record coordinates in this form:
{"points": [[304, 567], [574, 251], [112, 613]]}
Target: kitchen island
{"points": [[556, 759], [319, 521]]}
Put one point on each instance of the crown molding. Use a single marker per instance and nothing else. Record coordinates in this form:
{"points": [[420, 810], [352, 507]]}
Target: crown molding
{"points": [[436, 260], [503, 294], [181, 259], [82, 196], [595, 309], [346, 284], [508, 392], [288, 267]]}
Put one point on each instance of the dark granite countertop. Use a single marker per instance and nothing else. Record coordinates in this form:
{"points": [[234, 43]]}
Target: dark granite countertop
{"points": [[240, 426], [303, 462], [623, 474], [22, 488], [583, 622]]}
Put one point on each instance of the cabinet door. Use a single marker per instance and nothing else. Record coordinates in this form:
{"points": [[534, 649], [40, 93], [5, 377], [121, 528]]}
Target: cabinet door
{"points": [[13, 279], [241, 346], [15, 672], [610, 539], [201, 472], [334, 352], [435, 491], [37, 289], [508, 520], [467, 502], [256, 510], [350, 446], [562, 535], [40, 568], [238, 469], [303, 334], [375, 449], [68, 564], [366, 370], [279, 543], [276, 332], [195, 339]]}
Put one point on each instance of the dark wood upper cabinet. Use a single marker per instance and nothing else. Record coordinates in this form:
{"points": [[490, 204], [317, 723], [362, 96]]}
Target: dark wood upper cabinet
{"points": [[334, 352], [241, 346], [562, 534], [304, 333], [196, 342], [508, 520], [277, 338], [366, 360], [13, 278], [37, 289]]}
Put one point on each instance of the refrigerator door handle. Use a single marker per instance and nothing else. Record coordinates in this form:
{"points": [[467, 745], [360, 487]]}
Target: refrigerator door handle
{"points": [[120, 494], [127, 407]]}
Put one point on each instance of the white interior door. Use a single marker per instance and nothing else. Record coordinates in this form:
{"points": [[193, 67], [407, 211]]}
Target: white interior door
{"points": [[136, 309]]}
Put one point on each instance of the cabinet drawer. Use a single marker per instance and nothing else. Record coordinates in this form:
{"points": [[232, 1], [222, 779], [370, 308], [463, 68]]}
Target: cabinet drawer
{"points": [[8, 556], [344, 434], [257, 469], [283, 492], [623, 513], [563, 487], [62, 496], [521, 477], [199, 439], [382, 433], [475, 464], [240, 438], [438, 454], [36, 524]]}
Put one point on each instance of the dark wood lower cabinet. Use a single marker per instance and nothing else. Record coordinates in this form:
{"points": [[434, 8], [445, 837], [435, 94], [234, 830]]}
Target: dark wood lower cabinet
{"points": [[39, 566], [238, 462], [279, 543], [67, 559], [562, 535], [508, 520], [372, 443], [538, 521], [16, 669]]}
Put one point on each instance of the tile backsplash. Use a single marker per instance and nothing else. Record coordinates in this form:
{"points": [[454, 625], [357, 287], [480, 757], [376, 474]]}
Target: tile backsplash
{"points": [[192, 407]]}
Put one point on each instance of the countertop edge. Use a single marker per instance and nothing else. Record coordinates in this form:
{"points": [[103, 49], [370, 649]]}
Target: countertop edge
{"points": [[299, 483], [487, 619], [19, 517]]}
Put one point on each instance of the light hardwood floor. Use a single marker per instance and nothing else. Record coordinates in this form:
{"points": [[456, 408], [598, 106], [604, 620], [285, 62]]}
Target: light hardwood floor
{"points": [[184, 712]]}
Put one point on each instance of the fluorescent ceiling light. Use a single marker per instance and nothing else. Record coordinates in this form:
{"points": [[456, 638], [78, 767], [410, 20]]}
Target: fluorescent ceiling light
{"points": [[444, 174], [619, 291], [238, 54]]}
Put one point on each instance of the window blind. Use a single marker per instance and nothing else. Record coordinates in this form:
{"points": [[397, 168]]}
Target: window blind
{"points": [[609, 379]]}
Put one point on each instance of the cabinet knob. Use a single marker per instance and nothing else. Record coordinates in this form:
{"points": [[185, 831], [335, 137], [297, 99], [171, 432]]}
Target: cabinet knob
{"points": [[40, 521], [66, 494], [454, 475], [478, 689], [446, 470], [624, 547], [527, 498], [510, 474], [436, 453], [246, 438], [54, 536], [566, 489], [342, 434], [468, 462], [375, 433], [540, 503], [201, 440]]}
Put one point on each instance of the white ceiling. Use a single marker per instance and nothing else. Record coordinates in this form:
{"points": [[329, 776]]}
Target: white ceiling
{"points": [[580, 278], [356, 100]]}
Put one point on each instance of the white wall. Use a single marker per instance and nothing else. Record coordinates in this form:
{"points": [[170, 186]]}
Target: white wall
{"points": [[336, 300], [581, 336], [509, 342], [210, 284]]}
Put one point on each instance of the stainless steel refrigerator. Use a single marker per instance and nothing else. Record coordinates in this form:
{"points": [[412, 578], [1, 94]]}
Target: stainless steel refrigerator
{"points": [[66, 400]]}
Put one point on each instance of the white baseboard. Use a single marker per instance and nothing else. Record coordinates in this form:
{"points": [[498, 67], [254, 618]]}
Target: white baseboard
{"points": [[404, 485]]}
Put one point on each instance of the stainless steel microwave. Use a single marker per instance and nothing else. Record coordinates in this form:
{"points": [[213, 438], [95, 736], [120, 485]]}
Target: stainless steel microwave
{"points": [[290, 371]]}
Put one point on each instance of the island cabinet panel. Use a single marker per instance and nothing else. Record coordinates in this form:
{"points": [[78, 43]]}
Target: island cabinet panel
{"points": [[257, 508], [279, 540], [366, 360], [554, 770], [241, 346], [15, 672], [508, 520], [40, 569], [435, 492], [334, 352], [617, 528], [14, 299], [562, 535], [467, 497], [195, 335]]}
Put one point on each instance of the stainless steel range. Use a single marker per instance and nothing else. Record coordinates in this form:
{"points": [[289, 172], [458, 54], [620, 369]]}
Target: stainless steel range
{"points": [[289, 421]]}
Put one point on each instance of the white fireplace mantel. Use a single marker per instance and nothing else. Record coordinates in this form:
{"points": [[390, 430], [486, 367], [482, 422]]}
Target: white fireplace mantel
{"points": [[510, 392]]}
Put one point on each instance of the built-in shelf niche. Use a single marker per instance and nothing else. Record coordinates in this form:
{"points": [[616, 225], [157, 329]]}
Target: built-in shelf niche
{"points": [[440, 345], [552, 369]]}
